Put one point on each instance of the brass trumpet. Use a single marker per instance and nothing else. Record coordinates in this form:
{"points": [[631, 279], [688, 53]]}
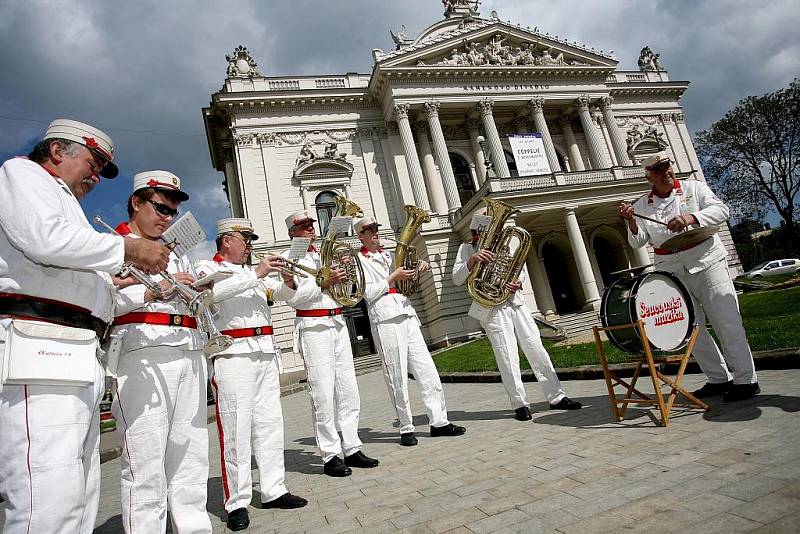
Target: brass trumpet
{"points": [[197, 302], [293, 269]]}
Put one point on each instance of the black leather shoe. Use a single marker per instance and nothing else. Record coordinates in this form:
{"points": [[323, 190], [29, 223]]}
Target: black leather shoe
{"points": [[359, 459], [287, 501], [523, 413], [408, 439], [566, 404], [335, 468], [739, 392], [712, 390], [447, 430], [238, 519]]}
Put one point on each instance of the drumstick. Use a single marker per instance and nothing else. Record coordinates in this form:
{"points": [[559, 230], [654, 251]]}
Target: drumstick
{"points": [[648, 219]]}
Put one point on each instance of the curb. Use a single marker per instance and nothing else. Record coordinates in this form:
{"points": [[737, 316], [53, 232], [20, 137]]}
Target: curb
{"points": [[765, 359]]}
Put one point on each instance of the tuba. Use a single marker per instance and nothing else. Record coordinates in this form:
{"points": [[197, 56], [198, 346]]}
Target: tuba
{"points": [[487, 281], [405, 253], [337, 255]]}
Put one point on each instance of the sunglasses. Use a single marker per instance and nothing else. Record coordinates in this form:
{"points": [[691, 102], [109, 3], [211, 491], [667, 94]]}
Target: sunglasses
{"points": [[163, 209], [247, 242], [304, 225]]}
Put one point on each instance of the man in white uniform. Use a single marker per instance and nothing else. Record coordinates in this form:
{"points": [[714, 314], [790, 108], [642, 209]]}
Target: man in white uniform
{"points": [[53, 267], [324, 343], [159, 403], [507, 324], [246, 376], [397, 335], [703, 269]]}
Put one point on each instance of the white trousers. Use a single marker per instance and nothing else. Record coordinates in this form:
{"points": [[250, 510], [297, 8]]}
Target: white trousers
{"points": [[160, 407], [714, 296], [332, 387], [505, 326], [50, 456], [248, 392], [400, 343]]}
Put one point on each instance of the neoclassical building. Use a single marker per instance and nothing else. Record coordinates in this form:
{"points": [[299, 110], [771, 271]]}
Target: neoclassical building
{"points": [[408, 133]]}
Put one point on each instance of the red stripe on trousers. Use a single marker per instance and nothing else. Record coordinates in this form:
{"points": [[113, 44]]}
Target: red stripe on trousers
{"points": [[221, 437]]}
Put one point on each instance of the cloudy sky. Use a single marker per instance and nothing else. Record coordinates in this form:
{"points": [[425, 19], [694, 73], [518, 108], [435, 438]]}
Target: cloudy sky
{"points": [[143, 70]]}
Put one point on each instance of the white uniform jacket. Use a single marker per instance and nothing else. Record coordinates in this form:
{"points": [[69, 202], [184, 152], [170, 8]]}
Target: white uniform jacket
{"points": [[461, 273], [382, 305], [309, 296], [139, 335], [687, 197], [242, 303], [47, 247]]}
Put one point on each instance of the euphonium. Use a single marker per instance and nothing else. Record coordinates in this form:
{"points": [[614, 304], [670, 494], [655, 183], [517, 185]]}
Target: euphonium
{"points": [[406, 254], [337, 255], [487, 281]]}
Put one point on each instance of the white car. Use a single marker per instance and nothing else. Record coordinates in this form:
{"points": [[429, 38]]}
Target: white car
{"points": [[771, 268]]}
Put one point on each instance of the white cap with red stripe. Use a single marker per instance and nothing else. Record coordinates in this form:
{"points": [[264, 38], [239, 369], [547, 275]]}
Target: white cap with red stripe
{"points": [[95, 140], [163, 180]]}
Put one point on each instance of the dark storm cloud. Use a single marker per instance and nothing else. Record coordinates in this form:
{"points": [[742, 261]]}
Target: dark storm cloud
{"points": [[151, 66]]}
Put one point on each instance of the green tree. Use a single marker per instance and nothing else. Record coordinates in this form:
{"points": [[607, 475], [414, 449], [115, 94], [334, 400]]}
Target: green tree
{"points": [[751, 156]]}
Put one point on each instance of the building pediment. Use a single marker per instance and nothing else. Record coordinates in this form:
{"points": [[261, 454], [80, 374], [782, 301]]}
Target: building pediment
{"points": [[493, 44]]}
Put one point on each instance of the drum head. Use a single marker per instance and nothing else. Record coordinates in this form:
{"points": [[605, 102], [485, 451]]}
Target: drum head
{"points": [[665, 307]]}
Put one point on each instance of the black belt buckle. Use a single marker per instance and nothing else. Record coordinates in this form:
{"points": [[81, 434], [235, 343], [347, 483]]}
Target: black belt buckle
{"points": [[176, 320], [257, 331], [332, 312]]}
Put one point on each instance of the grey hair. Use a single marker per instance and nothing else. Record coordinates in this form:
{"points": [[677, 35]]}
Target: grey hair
{"points": [[41, 152]]}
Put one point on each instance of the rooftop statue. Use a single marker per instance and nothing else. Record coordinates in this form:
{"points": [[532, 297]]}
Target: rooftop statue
{"points": [[648, 60], [241, 64]]}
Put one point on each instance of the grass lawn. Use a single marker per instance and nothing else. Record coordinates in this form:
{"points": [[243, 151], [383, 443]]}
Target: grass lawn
{"points": [[771, 319]]}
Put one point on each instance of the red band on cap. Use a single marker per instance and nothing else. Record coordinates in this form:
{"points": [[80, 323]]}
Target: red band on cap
{"points": [[155, 183], [91, 143]]}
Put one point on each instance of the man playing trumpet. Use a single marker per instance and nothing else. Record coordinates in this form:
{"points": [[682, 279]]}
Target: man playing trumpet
{"points": [[397, 335], [246, 376], [505, 326], [159, 403], [324, 343]]}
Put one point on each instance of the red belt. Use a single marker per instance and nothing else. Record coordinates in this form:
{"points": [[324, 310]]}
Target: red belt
{"points": [[319, 313], [667, 251], [248, 332], [392, 290], [165, 319]]}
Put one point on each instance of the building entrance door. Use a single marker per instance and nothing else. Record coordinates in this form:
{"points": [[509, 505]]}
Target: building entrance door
{"points": [[360, 333]]}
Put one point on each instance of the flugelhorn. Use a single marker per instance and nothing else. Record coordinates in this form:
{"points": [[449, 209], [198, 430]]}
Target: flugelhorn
{"points": [[217, 341], [486, 283], [292, 268], [197, 302]]}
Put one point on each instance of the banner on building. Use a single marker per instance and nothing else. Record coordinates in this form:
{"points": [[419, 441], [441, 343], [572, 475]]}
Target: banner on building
{"points": [[529, 154]]}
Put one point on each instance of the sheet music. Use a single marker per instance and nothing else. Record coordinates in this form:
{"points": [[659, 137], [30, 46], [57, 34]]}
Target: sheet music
{"points": [[299, 247], [480, 222], [339, 225], [185, 233]]}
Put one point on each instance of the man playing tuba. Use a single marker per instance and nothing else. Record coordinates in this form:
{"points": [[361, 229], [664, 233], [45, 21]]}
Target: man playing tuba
{"points": [[506, 324], [395, 329], [324, 343]]}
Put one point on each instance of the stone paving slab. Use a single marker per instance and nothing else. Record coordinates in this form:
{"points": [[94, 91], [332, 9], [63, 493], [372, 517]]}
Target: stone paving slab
{"points": [[733, 469]]}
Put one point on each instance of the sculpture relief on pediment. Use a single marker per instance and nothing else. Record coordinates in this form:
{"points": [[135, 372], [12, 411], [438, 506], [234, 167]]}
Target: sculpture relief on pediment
{"points": [[640, 134], [499, 50]]}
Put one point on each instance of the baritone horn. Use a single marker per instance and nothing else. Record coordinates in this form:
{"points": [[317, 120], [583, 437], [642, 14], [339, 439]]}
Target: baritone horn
{"points": [[337, 255], [405, 255], [486, 283]]}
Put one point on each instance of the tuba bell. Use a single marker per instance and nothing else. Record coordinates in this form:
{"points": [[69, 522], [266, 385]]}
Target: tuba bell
{"points": [[486, 283], [337, 255], [405, 253]]}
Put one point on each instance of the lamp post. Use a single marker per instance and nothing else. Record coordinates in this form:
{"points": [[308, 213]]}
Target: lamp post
{"points": [[487, 162]]}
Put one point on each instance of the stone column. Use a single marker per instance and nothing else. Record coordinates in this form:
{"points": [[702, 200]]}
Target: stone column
{"points": [[304, 194], [581, 255], [443, 158], [541, 284], [412, 161], [432, 179], [596, 155], [575, 156], [537, 113], [618, 142], [493, 138], [474, 130]]}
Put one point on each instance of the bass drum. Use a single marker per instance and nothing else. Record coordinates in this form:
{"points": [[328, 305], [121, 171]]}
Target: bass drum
{"points": [[662, 303]]}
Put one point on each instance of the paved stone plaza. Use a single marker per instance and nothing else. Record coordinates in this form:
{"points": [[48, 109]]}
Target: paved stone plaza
{"points": [[736, 468]]}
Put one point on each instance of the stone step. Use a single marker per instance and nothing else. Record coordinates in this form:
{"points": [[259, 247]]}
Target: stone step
{"points": [[365, 364]]}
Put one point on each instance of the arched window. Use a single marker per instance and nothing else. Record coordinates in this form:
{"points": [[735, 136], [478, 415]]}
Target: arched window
{"points": [[326, 209], [464, 183], [512, 163]]}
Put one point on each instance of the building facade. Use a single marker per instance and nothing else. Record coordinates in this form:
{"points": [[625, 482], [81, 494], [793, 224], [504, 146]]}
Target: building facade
{"points": [[409, 133]]}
